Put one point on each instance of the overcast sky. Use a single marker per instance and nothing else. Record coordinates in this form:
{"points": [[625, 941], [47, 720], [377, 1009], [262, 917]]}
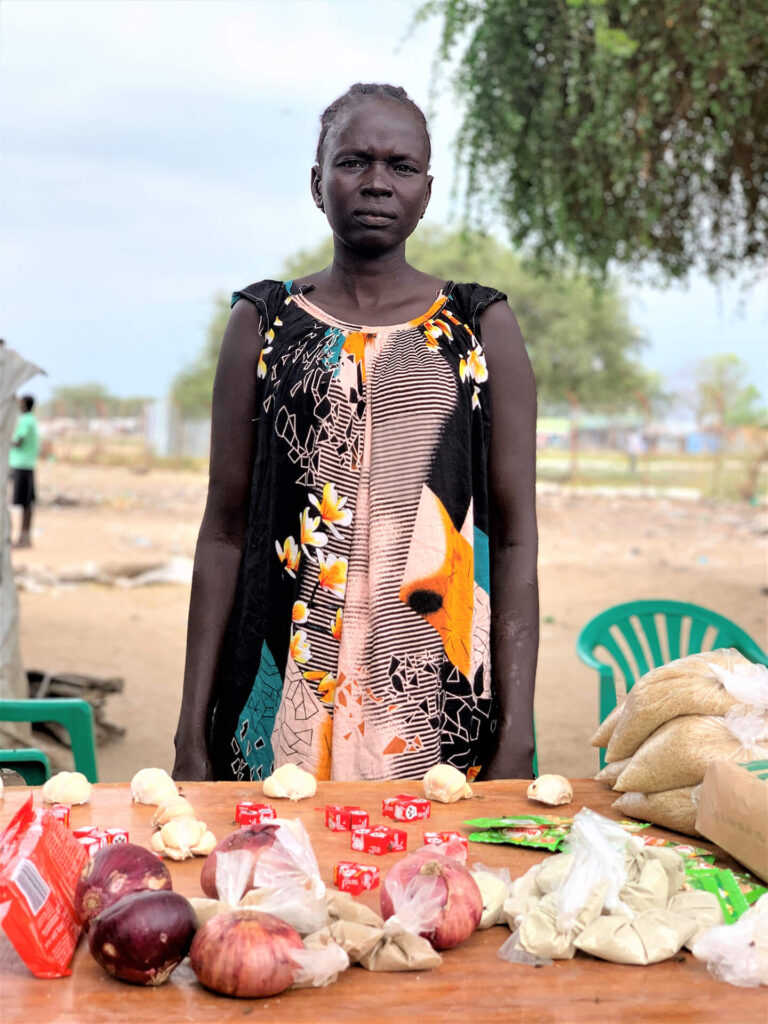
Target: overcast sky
{"points": [[155, 153]]}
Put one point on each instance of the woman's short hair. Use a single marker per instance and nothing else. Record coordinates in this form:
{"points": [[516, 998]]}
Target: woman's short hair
{"points": [[365, 90]]}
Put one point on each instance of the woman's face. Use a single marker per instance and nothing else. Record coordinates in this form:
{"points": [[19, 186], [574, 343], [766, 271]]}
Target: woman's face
{"points": [[373, 184]]}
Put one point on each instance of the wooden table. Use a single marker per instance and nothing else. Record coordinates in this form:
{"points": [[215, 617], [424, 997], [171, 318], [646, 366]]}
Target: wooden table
{"points": [[472, 984]]}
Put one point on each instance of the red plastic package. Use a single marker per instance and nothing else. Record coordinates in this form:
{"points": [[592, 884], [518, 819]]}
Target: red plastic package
{"points": [[40, 863]]}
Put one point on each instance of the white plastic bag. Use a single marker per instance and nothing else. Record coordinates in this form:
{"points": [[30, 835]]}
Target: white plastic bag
{"points": [[417, 905], [514, 953], [598, 847], [738, 953], [318, 966], [748, 683]]}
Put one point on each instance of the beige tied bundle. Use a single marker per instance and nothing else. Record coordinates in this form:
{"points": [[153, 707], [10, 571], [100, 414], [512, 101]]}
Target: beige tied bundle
{"points": [[610, 896], [672, 723]]}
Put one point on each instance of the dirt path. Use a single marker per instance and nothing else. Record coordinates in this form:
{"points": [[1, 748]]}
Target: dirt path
{"points": [[595, 552]]}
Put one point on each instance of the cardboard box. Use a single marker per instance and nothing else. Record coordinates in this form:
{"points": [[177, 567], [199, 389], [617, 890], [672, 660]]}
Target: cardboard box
{"points": [[733, 812]]}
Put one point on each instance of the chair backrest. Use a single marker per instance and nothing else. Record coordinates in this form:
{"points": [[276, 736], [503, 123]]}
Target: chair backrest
{"points": [[626, 641], [31, 764], [75, 715]]}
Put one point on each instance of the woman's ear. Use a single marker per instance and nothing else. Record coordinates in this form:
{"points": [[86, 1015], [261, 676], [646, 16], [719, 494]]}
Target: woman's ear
{"points": [[428, 196], [316, 187]]}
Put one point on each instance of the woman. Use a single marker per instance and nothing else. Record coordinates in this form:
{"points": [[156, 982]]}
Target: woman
{"points": [[364, 600]]}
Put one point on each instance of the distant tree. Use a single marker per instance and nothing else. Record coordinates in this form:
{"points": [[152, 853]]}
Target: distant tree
{"points": [[724, 400], [581, 342], [616, 130], [192, 388], [86, 401]]}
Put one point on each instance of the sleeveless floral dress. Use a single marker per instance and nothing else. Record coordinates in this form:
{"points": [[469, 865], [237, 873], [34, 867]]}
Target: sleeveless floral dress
{"points": [[359, 643]]}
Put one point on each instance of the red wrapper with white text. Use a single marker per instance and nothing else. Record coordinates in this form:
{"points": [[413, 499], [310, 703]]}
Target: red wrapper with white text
{"points": [[40, 863]]}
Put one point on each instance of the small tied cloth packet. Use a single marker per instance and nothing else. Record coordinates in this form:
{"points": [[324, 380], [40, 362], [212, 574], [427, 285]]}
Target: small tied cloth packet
{"points": [[609, 895]]}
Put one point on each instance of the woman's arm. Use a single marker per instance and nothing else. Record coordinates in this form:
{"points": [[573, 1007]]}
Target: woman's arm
{"points": [[513, 541], [222, 532]]}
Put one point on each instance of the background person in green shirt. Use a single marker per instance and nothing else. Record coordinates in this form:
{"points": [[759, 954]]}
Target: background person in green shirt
{"points": [[25, 446]]}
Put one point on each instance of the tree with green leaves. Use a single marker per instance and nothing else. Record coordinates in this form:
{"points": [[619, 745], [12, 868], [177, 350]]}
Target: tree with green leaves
{"points": [[84, 401], [581, 342], [724, 400], [192, 388], [616, 131]]}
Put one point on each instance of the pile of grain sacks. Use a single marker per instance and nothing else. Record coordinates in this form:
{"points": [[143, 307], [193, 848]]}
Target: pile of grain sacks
{"points": [[672, 723]]}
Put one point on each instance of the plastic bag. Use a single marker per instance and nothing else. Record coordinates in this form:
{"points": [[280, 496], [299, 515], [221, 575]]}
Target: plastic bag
{"points": [[494, 885], [513, 953], [748, 683], [290, 859], [598, 847], [417, 904], [40, 864], [738, 953], [284, 881], [319, 964]]}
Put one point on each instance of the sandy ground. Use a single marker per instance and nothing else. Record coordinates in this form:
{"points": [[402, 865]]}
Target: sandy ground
{"points": [[595, 552]]}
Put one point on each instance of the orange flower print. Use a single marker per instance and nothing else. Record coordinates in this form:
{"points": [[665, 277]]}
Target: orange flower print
{"points": [[436, 329], [289, 554], [333, 574], [261, 370], [474, 366], [326, 685], [299, 647], [336, 624], [299, 612], [310, 535], [332, 510]]}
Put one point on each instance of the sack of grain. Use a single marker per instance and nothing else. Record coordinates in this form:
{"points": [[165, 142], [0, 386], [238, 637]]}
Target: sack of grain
{"points": [[678, 752], [673, 808], [686, 686], [606, 727], [612, 771]]}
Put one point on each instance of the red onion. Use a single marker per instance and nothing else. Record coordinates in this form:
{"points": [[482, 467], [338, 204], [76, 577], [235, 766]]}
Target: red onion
{"points": [[256, 838], [245, 953], [143, 936], [462, 906], [114, 872]]}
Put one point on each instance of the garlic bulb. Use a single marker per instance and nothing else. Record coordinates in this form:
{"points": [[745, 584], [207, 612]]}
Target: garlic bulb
{"points": [[290, 781], [153, 786], [183, 837], [446, 784], [550, 789], [494, 892], [176, 807], [67, 788]]}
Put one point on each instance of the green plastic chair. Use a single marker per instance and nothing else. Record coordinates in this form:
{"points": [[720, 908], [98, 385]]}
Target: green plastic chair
{"points": [[32, 764], [635, 637], [75, 715]]}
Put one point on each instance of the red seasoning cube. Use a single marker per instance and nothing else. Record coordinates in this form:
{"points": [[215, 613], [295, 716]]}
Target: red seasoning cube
{"points": [[255, 815], [91, 844], [358, 818], [342, 818], [355, 878], [61, 813], [243, 805], [438, 838], [408, 808], [116, 835], [379, 840], [85, 832]]}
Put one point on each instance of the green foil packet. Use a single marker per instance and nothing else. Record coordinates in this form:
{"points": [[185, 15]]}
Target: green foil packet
{"points": [[735, 891]]}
